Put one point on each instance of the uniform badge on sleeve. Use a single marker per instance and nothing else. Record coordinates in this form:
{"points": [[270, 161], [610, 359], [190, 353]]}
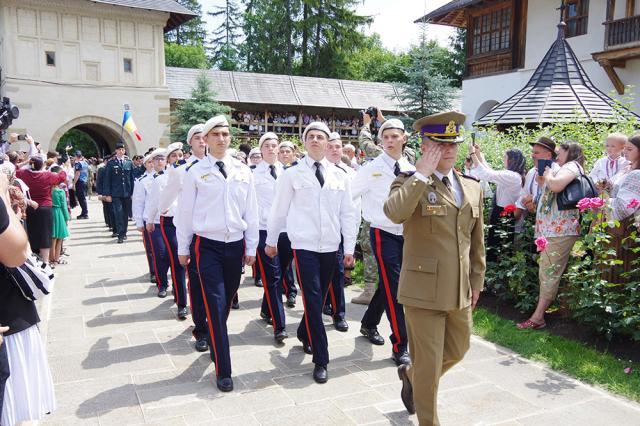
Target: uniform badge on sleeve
{"points": [[432, 197]]}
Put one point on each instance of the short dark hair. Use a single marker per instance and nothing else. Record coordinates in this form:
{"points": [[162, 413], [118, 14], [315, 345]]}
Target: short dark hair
{"points": [[55, 169], [245, 147], [574, 152]]}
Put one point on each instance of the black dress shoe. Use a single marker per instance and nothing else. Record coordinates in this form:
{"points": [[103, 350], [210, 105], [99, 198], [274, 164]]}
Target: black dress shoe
{"points": [[235, 305], [341, 325], [125, 237], [280, 336], [406, 394], [306, 347], [182, 313], [225, 384], [320, 374], [266, 318], [373, 335], [257, 282], [82, 217], [152, 279], [162, 294], [401, 358], [202, 345], [120, 240], [327, 310], [114, 235], [291, 301]]}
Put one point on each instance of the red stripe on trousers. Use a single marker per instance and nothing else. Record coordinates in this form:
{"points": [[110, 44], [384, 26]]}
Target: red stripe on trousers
{"points": [[304, 302], [387, 289], [266, 291], [174, 275], [206, 304], [155, 264]]}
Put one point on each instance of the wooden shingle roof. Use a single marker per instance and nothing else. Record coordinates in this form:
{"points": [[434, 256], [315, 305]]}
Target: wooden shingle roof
{"points": [[286, 90], [452, 14], [559, 90], [178, 14]]}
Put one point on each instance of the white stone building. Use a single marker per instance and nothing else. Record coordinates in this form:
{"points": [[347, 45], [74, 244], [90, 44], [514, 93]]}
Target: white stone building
{"points": [[507, 40], [75, 63]]}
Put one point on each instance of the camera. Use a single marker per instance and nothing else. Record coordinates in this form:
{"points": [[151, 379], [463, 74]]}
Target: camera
{"points": [[373, 113], [8, 113]]}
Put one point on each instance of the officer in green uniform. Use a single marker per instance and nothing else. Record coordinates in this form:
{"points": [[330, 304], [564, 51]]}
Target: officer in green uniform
{"points": [[443, 260]]}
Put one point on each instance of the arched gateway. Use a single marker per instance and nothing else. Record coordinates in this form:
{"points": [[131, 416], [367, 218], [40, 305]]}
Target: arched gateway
{"points": [[104, 132]]}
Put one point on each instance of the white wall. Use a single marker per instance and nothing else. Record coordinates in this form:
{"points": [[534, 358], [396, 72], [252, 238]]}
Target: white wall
{"points": [[541, 33]]}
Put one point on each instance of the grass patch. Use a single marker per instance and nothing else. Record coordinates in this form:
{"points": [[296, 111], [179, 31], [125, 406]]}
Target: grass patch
{"points": [[573, 358]]}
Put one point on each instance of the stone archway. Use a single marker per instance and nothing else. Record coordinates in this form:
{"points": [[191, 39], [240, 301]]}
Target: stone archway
{"points": [[484, 108], [104, 132]]}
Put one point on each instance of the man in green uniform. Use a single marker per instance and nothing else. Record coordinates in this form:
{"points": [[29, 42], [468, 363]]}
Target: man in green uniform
{"points": [[443, 260]]}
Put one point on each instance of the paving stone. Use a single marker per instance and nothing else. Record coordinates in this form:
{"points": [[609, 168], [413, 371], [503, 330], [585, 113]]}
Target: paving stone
{"points": [[588, 413], [250, 402]]}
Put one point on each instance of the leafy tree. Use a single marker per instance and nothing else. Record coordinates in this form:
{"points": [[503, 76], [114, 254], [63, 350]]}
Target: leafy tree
{"points": [[373, 62], [185, 56], [192, 32], [226, 52], [78, 140], [198, 109]]}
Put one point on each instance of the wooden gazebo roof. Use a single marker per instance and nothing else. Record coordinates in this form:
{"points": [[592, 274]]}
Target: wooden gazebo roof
{"points": [[559, 90]]}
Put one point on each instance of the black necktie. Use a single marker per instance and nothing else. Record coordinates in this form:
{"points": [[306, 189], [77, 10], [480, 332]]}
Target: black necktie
{"points": [[220, 165], [319, 174], [447, 183], [272, 171], [396, 169]]}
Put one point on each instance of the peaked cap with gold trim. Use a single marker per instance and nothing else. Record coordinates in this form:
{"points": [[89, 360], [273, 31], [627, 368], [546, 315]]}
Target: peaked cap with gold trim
{"points": [[441, 127]]}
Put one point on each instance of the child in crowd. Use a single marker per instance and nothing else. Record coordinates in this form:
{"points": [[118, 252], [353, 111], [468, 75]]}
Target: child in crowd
{"points": [[60, 213], [607, 167]]}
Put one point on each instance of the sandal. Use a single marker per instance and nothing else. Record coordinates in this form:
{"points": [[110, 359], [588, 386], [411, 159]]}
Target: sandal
{"points": [[528, 324]]}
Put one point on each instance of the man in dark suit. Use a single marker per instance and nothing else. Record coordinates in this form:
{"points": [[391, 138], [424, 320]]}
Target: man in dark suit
{"points": [[117, 189]]}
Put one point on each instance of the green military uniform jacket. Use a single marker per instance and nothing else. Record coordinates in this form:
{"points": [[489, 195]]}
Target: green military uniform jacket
{"points": [[443, 256]]}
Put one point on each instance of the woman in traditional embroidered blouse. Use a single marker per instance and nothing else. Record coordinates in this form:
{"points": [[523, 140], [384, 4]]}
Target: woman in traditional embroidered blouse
{"points": [[626, 187]]}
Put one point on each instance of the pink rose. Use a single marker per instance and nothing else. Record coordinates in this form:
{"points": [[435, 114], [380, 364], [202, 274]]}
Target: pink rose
{"points": [[541, 243], [597, 202], [584, 204], [633, 203]]}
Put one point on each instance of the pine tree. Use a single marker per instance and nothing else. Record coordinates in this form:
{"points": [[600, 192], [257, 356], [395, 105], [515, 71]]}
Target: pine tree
{"points": [[426, 91], [226, 52], [198, 109], [191, 33], [458, 55]]}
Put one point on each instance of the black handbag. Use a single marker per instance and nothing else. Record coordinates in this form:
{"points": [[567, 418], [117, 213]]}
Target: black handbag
{"points": [[579, 188]]}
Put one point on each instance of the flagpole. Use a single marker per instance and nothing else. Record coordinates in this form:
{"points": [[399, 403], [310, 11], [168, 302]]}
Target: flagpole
{"points": [[126, 108]]}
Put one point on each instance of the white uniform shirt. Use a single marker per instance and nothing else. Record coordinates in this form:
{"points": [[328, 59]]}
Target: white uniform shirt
{"points": [[606, 169], [315, 216], [265, 186], [217, 208], [175, 179], [372, 184], [508, 183], [138, 198], [152, 210]]}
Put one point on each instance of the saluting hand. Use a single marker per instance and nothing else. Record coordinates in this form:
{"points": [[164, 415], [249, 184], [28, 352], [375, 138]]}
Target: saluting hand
{"points": [[271, 251], [428, 161], [249, 260], [184, 260], [349, 260]]}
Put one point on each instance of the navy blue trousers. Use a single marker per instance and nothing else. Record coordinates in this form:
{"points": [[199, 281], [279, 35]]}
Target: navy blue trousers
{"points": [[335, 296], [178, 278], [81, 194], [107, 212], [146, 241], [315, 271], [387, 249], [120, 206], [285, 257], [198, 313], [269, 272], [220, 268], [4, 372], [160, 258]]}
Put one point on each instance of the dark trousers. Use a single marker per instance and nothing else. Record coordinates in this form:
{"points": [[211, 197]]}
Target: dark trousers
{"points": [[81, 193], [220, 268], [387, 249], [146, 240], [285, 258], [315, 271], [269, 272], [178, 279], [73, 202], [160, 258], [194, 286], [4, 372], [107, 212], [120, 215], [128, 205], [335, 296]]}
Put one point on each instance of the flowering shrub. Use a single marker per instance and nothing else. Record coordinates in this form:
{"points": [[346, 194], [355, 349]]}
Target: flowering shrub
{"points": [[508, 210], [541, 243]]}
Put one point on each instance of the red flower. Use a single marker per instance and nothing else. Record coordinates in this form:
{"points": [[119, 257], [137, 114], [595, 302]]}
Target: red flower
{"points": [[507, 210]]}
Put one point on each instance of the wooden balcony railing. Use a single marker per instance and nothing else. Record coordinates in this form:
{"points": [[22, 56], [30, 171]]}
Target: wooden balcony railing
{"points": [[622, 32]]}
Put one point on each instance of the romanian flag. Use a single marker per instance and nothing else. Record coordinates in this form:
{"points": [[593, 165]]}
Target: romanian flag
{"points": [[130, 125]]}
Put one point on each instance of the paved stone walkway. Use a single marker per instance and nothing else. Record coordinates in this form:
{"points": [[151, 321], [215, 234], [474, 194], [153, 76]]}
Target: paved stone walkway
{"points": [[119, 356]]}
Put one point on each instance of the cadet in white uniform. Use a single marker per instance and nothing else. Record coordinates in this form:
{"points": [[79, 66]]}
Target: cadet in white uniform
{"points": [[138, 198], [313, 200], [373, 183], [218, 207]]}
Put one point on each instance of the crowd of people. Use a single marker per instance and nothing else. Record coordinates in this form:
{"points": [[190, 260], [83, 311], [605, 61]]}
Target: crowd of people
{"points": [[289, 122], [206, 211]]}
